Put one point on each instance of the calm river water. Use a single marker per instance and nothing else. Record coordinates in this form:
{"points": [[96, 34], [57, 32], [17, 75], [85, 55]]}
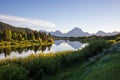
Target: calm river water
{"points": [[59, 45]]}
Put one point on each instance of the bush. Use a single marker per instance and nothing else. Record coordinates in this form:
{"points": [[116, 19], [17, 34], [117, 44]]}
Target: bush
{"points": [[118, 39], [42, 65], [94, 48], [12, 72], [35, 70], [111, 41]]}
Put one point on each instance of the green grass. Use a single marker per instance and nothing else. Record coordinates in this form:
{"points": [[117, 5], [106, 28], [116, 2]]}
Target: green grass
{"points": [[12, 72], [106, 68]]}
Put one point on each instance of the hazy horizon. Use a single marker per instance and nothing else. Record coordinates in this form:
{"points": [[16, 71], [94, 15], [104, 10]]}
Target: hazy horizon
{"points": [[50, 15]]}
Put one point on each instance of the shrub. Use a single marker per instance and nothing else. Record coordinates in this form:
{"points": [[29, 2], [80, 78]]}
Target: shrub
{"points": [[35, 70], [94, 48], [42, 65], [12, 72], [118, 39], [111, 41]]}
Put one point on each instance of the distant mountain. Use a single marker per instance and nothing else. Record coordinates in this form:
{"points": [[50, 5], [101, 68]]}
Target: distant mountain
{"points": [[4, 26], [57, 33], [76, 32], [102, 33]]}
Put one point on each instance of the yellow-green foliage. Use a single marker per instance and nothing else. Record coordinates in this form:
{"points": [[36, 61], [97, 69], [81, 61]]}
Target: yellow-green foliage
{"points": [[25, 43], [112, 41], [118, 39]]}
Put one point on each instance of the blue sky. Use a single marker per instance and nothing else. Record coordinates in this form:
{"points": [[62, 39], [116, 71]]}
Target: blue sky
{"points": [[51, 15]]}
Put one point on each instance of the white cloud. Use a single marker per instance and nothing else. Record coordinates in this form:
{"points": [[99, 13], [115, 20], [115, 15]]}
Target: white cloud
{"points": [[26, 22]]}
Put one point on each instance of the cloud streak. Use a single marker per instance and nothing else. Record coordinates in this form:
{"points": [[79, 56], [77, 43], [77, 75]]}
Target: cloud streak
{"points": [[26, 22]]}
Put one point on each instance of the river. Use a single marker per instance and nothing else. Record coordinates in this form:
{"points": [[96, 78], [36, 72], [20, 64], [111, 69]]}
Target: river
{"points": [[59, 45]]}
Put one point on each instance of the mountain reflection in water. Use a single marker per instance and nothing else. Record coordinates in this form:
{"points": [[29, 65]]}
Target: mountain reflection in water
{"points": [[59, 45]]}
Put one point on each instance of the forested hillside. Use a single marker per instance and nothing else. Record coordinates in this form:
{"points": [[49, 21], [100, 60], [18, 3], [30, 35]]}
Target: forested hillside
{"points": [[4, 26], [11, 33]]}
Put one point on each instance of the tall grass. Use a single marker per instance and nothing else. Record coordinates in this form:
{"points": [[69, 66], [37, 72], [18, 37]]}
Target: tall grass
{"points": [[40, 65], [13, 72]]}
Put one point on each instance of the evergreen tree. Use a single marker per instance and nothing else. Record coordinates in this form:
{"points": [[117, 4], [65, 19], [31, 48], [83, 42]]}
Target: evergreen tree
{"points": [[1, 36], [14, 35], [36, 34], [24, 35], [32, 37], [20, 38], [7, 35]]}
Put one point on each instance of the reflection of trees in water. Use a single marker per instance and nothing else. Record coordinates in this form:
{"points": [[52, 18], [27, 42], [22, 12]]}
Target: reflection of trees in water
{"points": [[31, 48], [1, 50], [7, 51], [36, 48], [43, 48], [14, 49], [49, 47], [26, 49], [20, 50]]}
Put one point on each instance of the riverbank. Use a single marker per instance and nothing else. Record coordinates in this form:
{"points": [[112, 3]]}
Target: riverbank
{"points": [[41, 66], [25, 43], [104, 66]]}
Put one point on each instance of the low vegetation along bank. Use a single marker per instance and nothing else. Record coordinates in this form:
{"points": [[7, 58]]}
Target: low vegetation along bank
{"points": [[106, 67], [51, 66], [25, 43]]}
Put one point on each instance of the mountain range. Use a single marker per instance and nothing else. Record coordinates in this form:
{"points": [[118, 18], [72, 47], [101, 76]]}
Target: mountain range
{"points": [[77, 32], [102, 33]]}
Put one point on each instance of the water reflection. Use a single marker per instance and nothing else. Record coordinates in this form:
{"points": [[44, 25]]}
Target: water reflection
{"points": [[73, 44], [60, 45]]}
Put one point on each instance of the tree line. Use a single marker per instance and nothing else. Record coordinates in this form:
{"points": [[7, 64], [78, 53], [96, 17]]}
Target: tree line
{"points": [[8, 35]]}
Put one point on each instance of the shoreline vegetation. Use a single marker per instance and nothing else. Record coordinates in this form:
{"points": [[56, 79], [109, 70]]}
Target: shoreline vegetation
{"points": [[42, 66], [25, 43]]}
